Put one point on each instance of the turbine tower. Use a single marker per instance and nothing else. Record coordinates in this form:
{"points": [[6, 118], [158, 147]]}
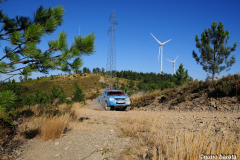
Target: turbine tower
{"points": [[173, 64], [160, 47]]}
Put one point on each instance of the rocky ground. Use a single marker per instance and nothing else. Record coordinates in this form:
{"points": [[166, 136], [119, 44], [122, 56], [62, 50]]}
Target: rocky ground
{"points": [[98, 136], [224, 104], [100, 132]]}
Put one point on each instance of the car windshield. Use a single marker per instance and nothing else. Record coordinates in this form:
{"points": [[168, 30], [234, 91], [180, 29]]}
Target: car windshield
{"points": [[114, 93]]}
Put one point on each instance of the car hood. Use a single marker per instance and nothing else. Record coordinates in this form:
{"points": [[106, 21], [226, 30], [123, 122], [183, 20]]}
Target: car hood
{"points": [[118, 97]]}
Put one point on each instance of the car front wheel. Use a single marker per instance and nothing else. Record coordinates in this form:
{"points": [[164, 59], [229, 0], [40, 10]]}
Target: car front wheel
{"points": [[127, 108], [107, 108]]}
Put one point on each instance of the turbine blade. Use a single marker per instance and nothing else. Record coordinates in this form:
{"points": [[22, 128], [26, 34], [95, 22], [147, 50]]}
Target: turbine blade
{"points": [[176, 58], [156, 39], [166, 41], [169, 60]]}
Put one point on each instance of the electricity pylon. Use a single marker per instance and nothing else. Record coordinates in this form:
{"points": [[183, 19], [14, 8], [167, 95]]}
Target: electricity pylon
{"points": [[110, 76]]}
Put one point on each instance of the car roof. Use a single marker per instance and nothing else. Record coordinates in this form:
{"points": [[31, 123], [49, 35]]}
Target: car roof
{"points": [[114, 90]]}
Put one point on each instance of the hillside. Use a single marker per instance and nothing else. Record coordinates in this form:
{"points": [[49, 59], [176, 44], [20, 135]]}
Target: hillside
{"points": [[89, 83], [222, 95], [159, 122]]}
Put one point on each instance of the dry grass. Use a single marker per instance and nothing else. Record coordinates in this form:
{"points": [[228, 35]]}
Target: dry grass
{"points": [[53, 128], [163, 143]]}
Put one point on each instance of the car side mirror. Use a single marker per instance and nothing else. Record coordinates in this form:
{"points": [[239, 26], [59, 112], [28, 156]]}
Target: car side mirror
{"points": [[126, 94]]}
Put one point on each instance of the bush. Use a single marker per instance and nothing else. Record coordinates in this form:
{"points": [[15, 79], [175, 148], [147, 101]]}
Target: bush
{"points": [[225, 88], [181, 99], [55, 92], [7, 99], [130, 92], [228, 86], [78, 94], [29, 100], [41, 98], [17, 89], [61, 96]]}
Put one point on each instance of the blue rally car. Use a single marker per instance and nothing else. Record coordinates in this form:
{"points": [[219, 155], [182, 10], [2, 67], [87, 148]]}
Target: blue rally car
{"points": [[115, 99]]}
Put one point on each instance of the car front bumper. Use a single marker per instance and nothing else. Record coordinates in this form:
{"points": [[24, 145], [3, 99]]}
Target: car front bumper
{"points": [[119, 104]]}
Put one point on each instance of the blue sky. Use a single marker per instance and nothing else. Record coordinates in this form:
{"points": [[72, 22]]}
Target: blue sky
{"points": [[136, 49]]}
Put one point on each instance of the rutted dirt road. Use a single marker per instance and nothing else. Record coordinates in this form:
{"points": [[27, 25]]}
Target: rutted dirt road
{"points": [[101, 131]]}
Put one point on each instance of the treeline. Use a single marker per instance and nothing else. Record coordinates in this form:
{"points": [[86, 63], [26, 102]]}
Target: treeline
{"points": [[152, 81]]}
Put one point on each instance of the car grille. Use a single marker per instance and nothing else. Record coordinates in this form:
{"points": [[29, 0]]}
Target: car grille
{"points": [[119, 98]]}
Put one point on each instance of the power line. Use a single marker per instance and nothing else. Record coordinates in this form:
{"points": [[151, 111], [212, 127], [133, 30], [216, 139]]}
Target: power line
{"points": [[83, 25], [85, 21], [64, 5]]}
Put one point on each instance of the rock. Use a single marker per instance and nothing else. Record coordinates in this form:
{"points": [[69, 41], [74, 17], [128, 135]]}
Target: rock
{"points": [[212, 103], [57, 155], [57, 144], [19, 159], [17, 151], [144, 155], [66, 148]]}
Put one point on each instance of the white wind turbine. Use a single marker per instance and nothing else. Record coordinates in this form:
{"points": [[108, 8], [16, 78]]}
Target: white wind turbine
{"points": [[173, 64], [160, 46]]}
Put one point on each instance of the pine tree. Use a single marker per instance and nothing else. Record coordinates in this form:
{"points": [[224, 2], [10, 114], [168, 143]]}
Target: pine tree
{"points": [[131, 84], [102, 70], [7, 100], [181, 75], [78, 95], [84, 70], [213, 52], [25, 34]]}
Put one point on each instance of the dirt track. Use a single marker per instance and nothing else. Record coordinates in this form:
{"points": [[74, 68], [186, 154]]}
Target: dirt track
{"points": [[88, 139]]}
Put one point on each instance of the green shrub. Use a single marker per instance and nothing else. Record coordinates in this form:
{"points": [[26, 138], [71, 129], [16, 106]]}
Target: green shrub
{"points": [[225, 88], [61, 98], [29, 100], [55, 92], [40, 97], [17, 89], [130, 92], [78, 94], [181, 99], [7, 100]]}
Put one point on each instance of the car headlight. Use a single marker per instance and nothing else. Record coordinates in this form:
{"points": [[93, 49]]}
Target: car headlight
{"points": [[127, 99], [111, 99]]}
